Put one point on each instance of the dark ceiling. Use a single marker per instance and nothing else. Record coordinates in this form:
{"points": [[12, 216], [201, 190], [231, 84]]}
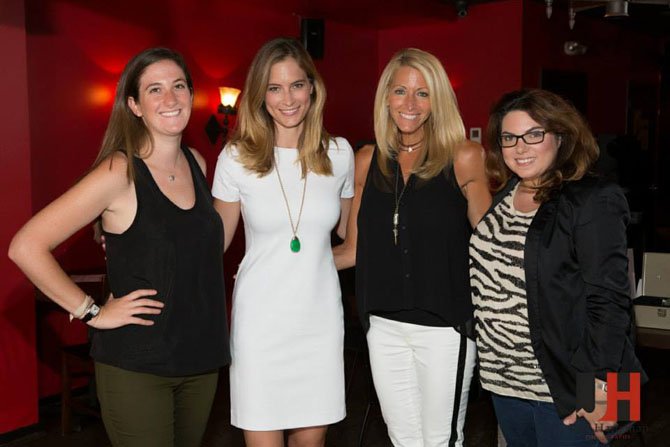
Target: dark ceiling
{"points": [[651, 16]]}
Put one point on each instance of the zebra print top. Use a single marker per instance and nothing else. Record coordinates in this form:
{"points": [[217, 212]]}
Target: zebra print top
{"points": [[508, 365]]}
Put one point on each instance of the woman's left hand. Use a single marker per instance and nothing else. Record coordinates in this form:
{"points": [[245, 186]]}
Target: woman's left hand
{"points": [[594, 417]]}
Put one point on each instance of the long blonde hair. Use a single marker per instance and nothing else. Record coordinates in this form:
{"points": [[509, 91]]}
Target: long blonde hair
{"points": [[255, 135], [443, 130]]}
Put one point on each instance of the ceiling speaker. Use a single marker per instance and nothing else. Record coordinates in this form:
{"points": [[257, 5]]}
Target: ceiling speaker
{"points": [[312, 36]]}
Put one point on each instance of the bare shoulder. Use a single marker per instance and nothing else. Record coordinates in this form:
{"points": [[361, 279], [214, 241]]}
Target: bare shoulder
{"points": [[469, 152], [112, 170], [200, 159], [105, 187], [363, 160], [469, 163], [364, 155]]}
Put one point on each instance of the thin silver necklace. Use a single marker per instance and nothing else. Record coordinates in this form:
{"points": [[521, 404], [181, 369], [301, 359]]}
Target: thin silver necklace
{"points": [[396, 211], [172, 177], [295, 241]]}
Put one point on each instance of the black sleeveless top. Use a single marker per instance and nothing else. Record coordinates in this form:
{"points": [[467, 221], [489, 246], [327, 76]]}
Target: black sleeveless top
{"points": [[180, 254], [424, 279]]}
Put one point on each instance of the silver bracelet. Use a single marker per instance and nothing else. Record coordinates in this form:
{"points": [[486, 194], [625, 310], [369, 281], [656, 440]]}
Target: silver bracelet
{"points": [[80, 311]]}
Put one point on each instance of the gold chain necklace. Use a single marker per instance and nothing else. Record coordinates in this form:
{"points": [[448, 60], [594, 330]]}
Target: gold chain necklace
{"points": [[295, 241]]}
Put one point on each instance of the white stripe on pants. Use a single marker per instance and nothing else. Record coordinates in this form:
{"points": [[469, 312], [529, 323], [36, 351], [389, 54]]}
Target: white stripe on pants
{"points": [[414, 369]]}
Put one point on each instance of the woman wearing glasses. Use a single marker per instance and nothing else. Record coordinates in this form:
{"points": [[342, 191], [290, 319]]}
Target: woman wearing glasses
{"points": [[549, 276]]}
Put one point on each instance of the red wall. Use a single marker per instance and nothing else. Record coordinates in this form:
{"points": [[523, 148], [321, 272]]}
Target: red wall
{"points": [[18, 377], [350, 73], [481, 53]]}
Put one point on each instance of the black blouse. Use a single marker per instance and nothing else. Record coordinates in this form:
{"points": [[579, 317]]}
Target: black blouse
{"points": [[424, 278], [179, 253]]}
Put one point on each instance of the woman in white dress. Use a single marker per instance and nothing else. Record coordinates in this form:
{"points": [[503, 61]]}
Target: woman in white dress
{"points": [[292, 183]]}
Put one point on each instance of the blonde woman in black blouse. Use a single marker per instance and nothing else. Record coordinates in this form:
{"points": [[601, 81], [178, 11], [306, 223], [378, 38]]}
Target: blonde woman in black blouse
{"points": [[417, 194]]}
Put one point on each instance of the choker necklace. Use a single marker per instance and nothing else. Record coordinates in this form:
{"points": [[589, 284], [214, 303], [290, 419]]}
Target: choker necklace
{"points": [[397, 202], [295, 242], [410, 147]]}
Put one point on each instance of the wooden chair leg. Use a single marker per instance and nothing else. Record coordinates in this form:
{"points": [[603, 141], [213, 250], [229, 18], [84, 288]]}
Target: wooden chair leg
{"points": [[76, 364]]}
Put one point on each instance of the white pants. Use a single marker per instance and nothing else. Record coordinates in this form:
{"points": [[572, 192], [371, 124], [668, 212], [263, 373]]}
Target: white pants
{"points": [[422, 377]]}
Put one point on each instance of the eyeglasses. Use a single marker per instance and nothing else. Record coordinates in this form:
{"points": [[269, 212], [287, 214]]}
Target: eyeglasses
{"points": [[531, 137]]}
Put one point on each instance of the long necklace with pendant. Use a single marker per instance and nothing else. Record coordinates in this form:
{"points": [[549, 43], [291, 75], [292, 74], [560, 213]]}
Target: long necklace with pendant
{"points": [[295, 241], [396, 213]]}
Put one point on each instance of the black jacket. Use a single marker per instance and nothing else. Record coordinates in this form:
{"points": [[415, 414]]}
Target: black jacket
{"points": [[579, 305]]}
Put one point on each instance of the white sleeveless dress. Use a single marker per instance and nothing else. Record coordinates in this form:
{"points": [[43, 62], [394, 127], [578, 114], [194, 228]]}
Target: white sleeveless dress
{"points": [[287, 329]]}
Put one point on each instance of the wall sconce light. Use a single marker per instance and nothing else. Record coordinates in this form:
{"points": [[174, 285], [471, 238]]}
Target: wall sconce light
{"points": [[226, 107]]}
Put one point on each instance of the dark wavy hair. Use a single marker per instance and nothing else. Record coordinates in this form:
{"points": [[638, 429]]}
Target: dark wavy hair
{"points": [[126, 132], [577, 151]]}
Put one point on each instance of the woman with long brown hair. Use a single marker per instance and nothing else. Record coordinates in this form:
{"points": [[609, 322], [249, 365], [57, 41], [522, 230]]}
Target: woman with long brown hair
{"points": [[161, 337], [292, 183]]}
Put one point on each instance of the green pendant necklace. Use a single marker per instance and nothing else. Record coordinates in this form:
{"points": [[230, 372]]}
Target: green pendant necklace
{"points": [[295, 241]]}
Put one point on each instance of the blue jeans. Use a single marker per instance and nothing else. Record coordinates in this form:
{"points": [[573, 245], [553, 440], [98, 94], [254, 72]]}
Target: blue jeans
{"points": [[530, 423]]}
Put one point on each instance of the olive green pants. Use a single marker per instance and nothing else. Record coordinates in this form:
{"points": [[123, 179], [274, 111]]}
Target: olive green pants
{"points": [[145, 410]]}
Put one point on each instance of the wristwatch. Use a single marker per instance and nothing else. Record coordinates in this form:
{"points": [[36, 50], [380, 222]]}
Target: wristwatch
{"points": [[91, 312]]}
